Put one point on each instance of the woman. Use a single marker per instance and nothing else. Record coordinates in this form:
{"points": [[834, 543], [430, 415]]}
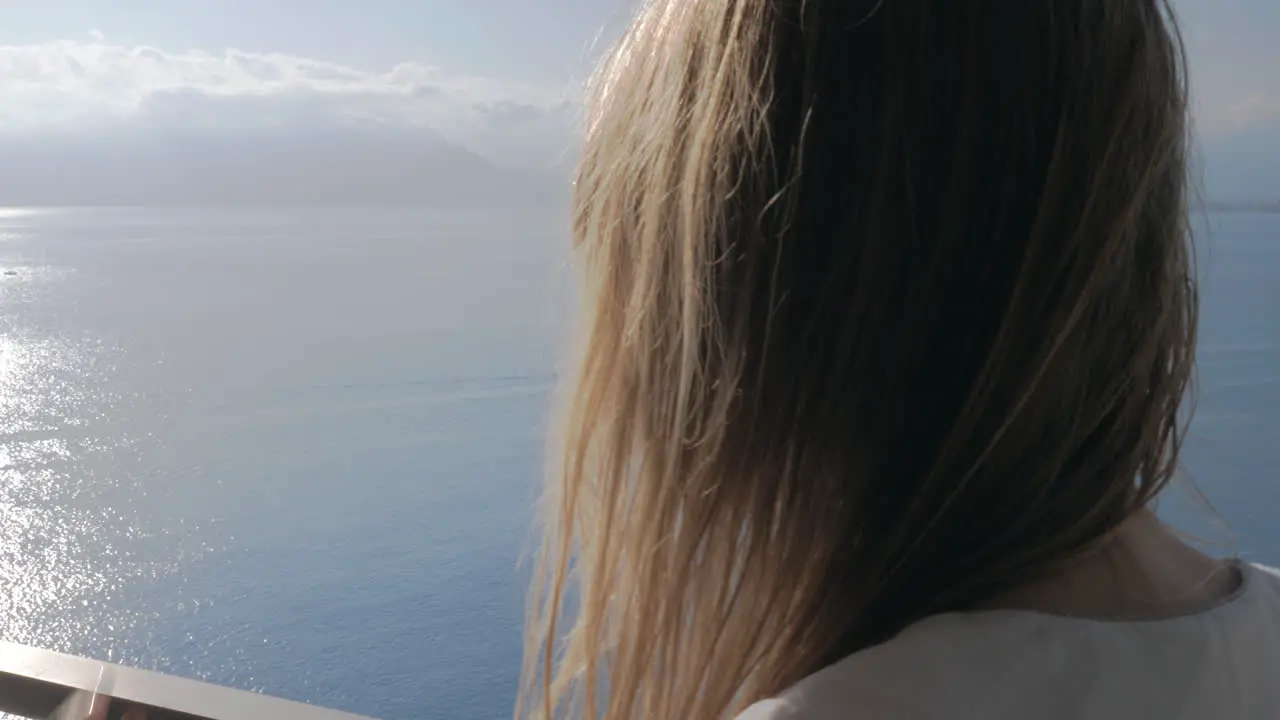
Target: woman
{"points": [[889, 316]]}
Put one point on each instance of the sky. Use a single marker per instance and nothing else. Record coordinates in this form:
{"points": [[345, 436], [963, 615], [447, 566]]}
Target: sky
{"points": [[496, 75]]}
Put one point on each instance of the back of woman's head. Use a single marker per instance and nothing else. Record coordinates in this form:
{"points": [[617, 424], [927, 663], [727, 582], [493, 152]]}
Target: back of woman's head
{"points": [[888, 308]]}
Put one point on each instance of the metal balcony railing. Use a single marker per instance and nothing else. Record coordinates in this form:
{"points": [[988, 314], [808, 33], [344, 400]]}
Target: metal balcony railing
{"points": [[42, 684]]}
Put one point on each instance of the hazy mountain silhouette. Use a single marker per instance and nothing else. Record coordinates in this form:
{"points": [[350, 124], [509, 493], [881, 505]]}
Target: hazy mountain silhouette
{"points": [[264, 167], [386, 166]]}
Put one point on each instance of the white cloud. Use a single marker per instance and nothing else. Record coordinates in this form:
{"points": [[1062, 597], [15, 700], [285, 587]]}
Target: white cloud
{"points": [[1253, 111], [1246, 112], [94, 84]]}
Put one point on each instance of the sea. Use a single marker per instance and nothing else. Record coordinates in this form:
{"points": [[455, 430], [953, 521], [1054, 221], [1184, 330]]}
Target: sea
{"points": [[296, 450]]}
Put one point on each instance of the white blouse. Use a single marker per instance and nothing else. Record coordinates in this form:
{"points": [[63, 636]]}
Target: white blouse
{"points": [[1220, 664]]}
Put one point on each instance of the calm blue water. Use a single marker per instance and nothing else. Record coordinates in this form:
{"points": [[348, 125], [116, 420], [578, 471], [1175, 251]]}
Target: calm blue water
{"points": [[296, 451]]}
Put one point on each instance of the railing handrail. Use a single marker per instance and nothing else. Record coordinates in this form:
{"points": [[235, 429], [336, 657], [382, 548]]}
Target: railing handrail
{"points": [[34, 682]]}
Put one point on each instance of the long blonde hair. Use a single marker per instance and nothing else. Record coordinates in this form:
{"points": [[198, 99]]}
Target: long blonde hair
{"points": [[887, 307]]}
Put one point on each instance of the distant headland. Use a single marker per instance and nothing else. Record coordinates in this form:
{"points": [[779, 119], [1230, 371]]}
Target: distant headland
{"points": [[325, 167], [1243, 206]]}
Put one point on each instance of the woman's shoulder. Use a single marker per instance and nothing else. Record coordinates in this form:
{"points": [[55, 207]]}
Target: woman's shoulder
{"points": [[1010, 663], [1271, 574], [865, 708]]}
